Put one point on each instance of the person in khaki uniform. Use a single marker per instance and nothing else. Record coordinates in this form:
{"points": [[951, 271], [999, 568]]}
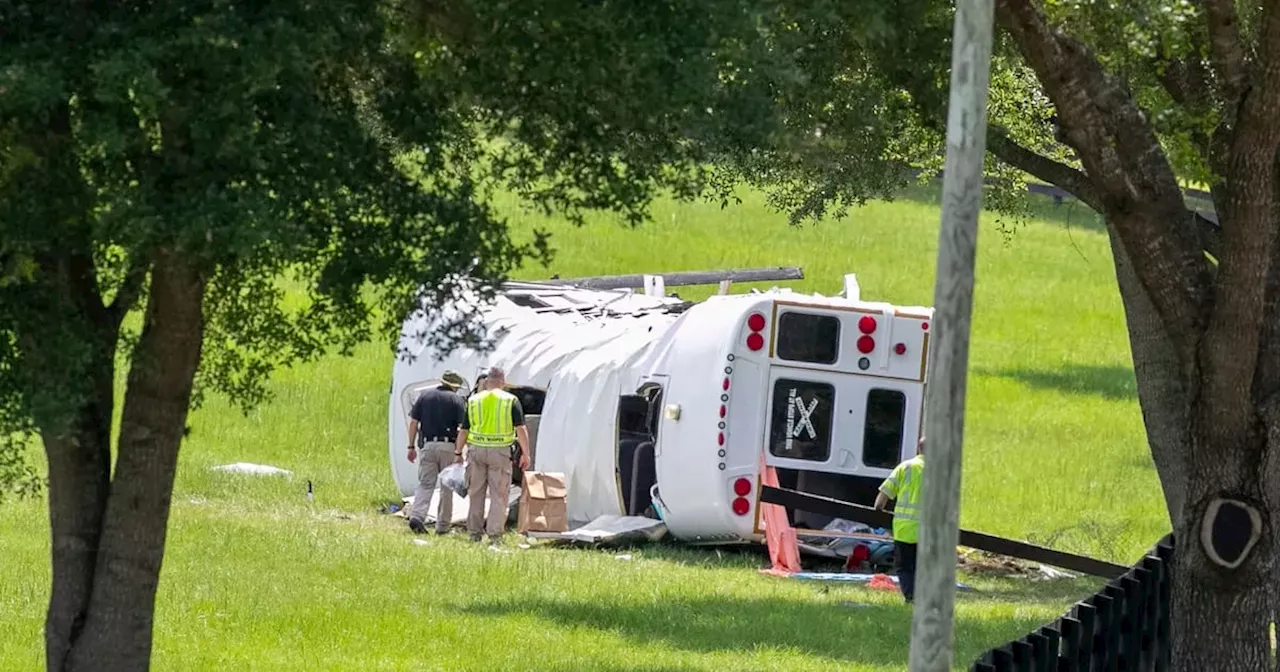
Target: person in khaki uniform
{"points": [[493, 422], [433, 429]]}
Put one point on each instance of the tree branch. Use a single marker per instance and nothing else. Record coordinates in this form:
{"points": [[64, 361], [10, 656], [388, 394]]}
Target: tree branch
{"points": [[1225, 48], [1125, 162], [1248, 260], [130, 288], [1042, 167], [1185, 80], [1077, 183]]}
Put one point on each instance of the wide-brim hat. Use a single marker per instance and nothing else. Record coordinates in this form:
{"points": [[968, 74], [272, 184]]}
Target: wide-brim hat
{"points": [[453, 378]]}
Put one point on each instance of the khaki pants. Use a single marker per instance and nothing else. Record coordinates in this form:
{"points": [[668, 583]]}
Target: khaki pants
{"points": [[489, 467], [432, 459]]}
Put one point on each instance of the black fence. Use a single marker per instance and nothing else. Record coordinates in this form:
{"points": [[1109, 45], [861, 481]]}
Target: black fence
{"points": [[1124, 626]]}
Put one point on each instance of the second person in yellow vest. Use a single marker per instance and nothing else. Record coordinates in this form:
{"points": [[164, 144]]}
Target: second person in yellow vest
{"points": [[493, 423], [903, 486]]}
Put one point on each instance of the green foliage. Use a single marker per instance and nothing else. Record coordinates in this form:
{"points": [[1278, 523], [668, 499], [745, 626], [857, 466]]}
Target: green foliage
{"points": [[851, 111], [17, 477], [869, 96], [863, 107], [241, 136], [319, 143], [602, 105]]}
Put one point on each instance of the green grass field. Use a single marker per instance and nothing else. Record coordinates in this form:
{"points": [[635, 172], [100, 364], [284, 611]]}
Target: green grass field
{"points": [[256, 578]]}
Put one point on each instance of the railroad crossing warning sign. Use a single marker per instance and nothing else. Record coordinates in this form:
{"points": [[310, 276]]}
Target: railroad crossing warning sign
{"points": [[799, 413]]}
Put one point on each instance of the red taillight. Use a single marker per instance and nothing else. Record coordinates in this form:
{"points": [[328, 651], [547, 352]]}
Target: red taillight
{"points": [[924, 325], [900, 348], [742, 487], [721, 438], [866, 344], [725, 385], [867, 324], [723, 410], [741, 506], [756, 323]]}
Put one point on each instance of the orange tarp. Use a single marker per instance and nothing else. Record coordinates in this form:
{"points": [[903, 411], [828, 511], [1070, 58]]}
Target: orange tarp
{"points": [[778, 533]]}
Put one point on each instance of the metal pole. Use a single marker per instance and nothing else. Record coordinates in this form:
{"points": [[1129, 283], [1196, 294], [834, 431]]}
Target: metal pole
{"points": [[932, 627]]}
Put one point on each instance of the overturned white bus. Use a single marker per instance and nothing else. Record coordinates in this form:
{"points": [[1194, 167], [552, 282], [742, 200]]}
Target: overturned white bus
{"points": [[649, 404]]}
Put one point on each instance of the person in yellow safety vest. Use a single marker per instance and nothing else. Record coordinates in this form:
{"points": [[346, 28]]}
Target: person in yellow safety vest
{"points": [[494, 421], [903, 485]]}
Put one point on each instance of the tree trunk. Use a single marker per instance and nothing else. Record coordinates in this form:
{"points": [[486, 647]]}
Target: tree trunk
{"points": [[1162, 393], [117, 631], [1222, 614], [78, 445], [79, 483], [1215, 630]]}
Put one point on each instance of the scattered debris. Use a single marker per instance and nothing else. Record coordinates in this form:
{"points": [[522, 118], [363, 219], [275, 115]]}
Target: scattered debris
{"points": [[876, 581], [495, 549], [883, 582], [859, 545], [607, 529], [252, 469], [421, 542], [1051, 573], [982, 563], [623, 556]]}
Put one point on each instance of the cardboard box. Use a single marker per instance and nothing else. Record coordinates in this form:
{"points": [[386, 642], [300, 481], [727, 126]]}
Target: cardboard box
{"points": [[543, 505]]}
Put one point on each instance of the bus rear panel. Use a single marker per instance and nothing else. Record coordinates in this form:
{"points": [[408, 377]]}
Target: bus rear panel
{"points": [[840, 402]]}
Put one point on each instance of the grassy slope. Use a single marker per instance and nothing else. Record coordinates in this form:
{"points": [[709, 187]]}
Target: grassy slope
{"points": [[255, 578]]}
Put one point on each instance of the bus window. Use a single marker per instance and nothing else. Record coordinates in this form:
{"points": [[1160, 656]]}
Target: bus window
{"points": [[882, 438], [808, 337], [800, 422], [531, 398], [411, 392]]}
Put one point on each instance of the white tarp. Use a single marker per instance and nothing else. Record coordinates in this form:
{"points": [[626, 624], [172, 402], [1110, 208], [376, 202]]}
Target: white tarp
{"points": [[584, 362]]}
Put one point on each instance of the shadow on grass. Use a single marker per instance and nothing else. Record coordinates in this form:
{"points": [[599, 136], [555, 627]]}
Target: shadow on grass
{"points": [[1115, 383], [848, 632]]}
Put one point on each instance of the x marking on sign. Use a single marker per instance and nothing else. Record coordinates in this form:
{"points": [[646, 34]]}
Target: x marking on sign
{"points": [[804, 422]]}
